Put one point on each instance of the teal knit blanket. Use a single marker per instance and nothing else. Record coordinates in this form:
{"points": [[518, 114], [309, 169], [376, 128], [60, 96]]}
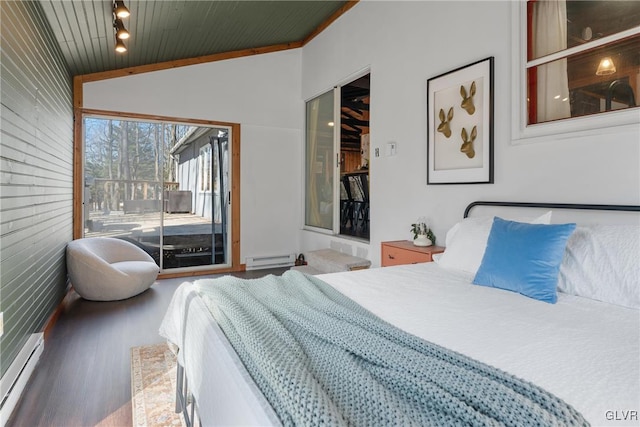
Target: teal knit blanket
{"points": [[321, 359]]}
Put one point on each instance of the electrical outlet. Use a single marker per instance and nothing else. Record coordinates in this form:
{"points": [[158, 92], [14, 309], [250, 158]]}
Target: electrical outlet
{"points": [[1, 324]]}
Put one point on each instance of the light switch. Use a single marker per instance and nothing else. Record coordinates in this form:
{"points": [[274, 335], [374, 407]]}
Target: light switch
{"points": [[377, 152], [392, 148]]}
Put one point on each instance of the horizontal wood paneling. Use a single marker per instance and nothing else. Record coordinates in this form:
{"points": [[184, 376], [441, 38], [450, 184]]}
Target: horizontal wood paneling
{"points": [[36, 158]]}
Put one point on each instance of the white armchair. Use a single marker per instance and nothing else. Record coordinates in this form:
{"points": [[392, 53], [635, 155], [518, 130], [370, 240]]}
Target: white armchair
{"points": [[108, 269]]}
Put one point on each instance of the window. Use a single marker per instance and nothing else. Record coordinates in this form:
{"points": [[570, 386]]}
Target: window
{"points": [[579, 59]]}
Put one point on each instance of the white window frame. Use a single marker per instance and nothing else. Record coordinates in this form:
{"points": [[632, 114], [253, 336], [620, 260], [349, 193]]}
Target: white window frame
{"points": [[521, 132], [204, 173]]}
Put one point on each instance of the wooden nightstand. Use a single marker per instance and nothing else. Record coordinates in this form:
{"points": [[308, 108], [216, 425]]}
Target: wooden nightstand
{"points": [[405, 252]]}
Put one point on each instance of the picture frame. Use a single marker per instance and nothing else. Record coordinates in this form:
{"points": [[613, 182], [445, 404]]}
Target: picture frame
{"points": [[460, 107]]}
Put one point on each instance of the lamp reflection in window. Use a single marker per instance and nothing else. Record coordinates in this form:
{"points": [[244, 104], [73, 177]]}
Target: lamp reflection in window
{"points": [[606, 67]]}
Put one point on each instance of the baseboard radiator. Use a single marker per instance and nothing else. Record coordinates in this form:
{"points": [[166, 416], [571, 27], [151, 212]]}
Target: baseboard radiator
{"points": [[15, 379], [270, 261]]}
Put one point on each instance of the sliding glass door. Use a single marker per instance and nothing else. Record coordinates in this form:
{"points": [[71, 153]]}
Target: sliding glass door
{"points": [[337, 160], [161, 186], [320, 162]]}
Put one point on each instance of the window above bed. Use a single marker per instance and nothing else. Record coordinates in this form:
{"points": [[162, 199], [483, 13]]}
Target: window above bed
{"points": [[576, 66]]}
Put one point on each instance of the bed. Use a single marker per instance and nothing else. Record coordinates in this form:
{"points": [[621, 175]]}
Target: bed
{"points": [[582, 348]]}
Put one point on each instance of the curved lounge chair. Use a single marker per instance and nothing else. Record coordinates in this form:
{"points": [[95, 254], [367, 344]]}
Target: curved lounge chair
{"points": [[108, 269]]}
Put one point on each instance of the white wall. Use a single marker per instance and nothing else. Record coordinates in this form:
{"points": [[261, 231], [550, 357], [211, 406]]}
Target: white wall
{"points": [[260, 92], [406, 43]]}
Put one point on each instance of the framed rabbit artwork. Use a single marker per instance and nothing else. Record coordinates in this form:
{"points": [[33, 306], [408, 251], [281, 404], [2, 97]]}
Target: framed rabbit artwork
{"points": [[460, 125]]}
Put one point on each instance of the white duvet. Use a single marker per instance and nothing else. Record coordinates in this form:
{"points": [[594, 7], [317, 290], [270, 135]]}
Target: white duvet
{"points": [[583, 351]]}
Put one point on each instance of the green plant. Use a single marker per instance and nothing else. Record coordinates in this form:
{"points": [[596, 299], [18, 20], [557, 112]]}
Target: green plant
{"points": [[421, 228]]}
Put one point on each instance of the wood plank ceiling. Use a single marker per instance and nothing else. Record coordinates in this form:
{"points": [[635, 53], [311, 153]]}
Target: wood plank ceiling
{"points": [[166, 30], [354, 113]]}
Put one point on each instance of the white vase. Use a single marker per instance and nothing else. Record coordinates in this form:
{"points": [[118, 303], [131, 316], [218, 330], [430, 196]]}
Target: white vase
{"points": [[422, 240]]}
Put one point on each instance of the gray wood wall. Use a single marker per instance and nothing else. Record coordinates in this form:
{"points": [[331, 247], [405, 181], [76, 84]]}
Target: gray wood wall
{"points": [[36, 154]]}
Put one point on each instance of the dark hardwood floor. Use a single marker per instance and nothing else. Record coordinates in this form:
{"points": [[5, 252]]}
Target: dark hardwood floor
{"points": [[83, 377]]}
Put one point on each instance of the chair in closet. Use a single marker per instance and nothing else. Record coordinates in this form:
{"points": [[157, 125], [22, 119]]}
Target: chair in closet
{"points": [[363, 217], [346, 203], [358, 183]]}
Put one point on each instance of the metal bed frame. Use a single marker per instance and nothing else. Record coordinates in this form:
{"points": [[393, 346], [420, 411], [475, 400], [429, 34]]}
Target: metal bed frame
{"points": [[184, 398], [575, 206]]}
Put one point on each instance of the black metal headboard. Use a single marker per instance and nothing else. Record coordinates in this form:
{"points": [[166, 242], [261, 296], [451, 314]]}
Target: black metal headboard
{"points": [[578, 206]]}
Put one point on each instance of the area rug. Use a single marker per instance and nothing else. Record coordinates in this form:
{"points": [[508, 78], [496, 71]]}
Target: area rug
{"points": [[153, 384]]}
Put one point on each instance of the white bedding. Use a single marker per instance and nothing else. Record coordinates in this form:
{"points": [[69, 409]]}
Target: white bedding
{"points": [[583, 351]]}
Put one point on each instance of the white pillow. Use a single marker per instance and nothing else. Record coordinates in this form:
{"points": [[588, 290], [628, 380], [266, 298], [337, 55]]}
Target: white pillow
{"points": [[601, 263], [466, 242]]}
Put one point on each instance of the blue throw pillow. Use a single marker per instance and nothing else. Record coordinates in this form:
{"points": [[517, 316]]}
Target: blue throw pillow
{"points": [[524, 258]]}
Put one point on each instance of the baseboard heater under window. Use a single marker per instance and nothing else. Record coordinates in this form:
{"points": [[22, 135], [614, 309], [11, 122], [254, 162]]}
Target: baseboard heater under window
{"points": [[270, 261], [15, 378]]}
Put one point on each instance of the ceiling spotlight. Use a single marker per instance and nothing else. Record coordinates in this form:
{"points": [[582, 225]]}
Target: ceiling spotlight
{"points": [[120, 9], [120, 47], [121, 31]]}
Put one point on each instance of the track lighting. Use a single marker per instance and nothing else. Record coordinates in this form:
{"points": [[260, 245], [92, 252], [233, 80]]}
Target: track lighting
{"points": [[120, 9]]}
